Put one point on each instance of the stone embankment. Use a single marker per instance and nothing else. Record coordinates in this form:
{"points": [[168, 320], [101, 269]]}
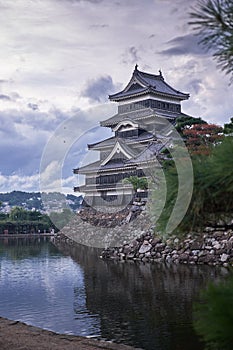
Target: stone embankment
{"points": [[108, 219], [212, 248], [131, 232], [107, 229]]}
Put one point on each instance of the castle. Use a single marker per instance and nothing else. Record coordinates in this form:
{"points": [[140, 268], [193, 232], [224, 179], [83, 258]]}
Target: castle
{"points": [[145, 107]]}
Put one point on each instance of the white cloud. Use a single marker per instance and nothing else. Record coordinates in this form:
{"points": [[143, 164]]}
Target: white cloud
{"points": [[13, 182]]}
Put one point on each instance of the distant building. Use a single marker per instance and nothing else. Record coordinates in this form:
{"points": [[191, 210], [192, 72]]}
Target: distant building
{"points": [[145, 106]]}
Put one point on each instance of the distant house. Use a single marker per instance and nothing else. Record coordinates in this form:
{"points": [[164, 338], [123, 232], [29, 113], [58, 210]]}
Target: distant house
{"points": [[145, 106]]}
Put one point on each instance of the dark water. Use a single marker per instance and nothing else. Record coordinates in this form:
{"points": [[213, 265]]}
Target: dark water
{"points": [[73, 291]]}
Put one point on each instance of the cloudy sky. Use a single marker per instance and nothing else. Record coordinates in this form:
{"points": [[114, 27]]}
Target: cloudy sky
{"points": [[59, 61]]}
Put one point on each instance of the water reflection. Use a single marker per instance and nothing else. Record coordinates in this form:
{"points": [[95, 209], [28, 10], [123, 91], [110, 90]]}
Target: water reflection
{"points": [[146, 305], [37, 286]]}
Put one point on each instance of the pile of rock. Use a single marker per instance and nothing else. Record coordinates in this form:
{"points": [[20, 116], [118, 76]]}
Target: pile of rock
{"points": [[108, 219], [212, 248], [100, 229]]}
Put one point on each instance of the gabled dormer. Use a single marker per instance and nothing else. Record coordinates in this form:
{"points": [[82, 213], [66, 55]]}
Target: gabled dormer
{"points": [[126, 128], [120, 151]]}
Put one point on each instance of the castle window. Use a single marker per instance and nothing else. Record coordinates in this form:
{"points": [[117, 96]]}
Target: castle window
{"points": [[149, 103]]}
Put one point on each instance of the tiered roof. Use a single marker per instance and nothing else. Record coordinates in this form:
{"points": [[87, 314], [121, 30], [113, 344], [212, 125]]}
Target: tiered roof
{"points": [[121, 154], [140, 115], [110, 142], [145, 83], [134, 116], [153, 148]]}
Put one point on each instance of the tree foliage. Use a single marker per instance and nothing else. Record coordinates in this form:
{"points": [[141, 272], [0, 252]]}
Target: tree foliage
{"points": [[200, 138], [212, 198], [20, 220], [212, 20], [20, 214], [228, 127], [185, 122], [136, 182]]}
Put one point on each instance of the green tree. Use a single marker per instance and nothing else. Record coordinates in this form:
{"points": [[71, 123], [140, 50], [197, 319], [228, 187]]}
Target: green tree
{"points": [[3, 216], [212, 20], [35, 215], [18, 214], [212, 198], [228, 127], [183, 123]]}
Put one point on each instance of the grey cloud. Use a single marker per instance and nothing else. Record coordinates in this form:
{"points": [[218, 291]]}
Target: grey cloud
{"points": [[20, 157], [5, 97], [17, 153], [134, 54], [96, 26], [15, 96], [12, 96], [33, 106], [182, 45], [24, 135], [22, 151], [131, 55], [76, 1], [195, 85], [98, 89], [41, 121]]}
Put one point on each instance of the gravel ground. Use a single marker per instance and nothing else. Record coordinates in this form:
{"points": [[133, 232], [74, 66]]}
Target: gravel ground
{"points": [[19, 336]]}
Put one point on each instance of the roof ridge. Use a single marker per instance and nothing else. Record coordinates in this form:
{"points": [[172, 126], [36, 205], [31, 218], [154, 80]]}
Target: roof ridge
{"points": [[159, 76]]}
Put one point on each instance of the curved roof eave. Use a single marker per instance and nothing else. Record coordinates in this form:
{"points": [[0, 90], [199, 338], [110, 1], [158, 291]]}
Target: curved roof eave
{"points": [[124, 96]]}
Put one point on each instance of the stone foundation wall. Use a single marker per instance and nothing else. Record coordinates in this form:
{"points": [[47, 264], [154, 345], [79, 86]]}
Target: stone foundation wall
{"points": [[99, 230], [212, 248], [131, 233]]}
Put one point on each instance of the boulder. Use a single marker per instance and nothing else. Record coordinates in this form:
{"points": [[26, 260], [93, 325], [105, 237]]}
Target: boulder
{"points": [[183, 258], [145, 247], [224, 257]]}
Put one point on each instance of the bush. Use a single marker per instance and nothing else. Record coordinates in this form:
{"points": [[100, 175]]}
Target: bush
{"points": [[213, 315]]}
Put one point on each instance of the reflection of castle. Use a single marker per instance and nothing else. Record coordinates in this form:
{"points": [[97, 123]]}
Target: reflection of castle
{"points": [[145, 305], [145, 106]]}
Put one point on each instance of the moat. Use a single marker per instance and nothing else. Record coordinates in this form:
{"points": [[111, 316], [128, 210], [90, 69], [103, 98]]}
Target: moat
{"points": [[72, 291]]}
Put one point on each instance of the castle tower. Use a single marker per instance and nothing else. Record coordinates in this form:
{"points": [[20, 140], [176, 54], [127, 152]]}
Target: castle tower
{"points": [[145, 106]]}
